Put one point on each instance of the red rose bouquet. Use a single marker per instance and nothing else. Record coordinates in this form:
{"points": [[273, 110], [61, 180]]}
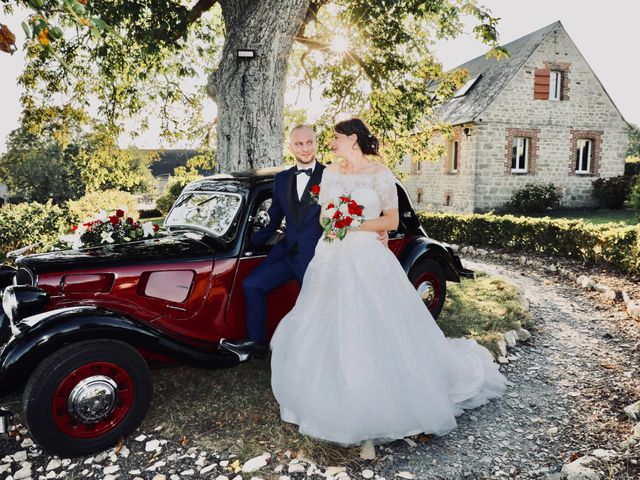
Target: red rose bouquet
{"points": [[341, 216], [106, 229]]}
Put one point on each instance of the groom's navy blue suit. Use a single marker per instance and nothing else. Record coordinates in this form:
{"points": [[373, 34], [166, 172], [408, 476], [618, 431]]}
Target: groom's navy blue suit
{"points": [[289, 258]]}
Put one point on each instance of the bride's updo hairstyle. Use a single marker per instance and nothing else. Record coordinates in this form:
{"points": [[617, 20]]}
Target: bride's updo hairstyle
{"points": [[366, 141]]}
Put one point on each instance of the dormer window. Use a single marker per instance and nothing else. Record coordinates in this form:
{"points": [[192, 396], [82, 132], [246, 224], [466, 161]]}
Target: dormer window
{"points": [[464, 89]]}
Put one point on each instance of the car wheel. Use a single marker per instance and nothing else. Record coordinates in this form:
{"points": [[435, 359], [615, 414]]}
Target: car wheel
{"points": [[84, 397], [428, 279]]}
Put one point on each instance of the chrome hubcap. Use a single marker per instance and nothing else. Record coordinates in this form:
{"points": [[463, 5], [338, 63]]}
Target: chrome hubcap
{"points": [[427, 292], [93, 399]]}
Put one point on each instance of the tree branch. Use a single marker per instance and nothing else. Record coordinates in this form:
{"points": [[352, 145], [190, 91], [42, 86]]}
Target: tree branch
{"points": [[313, 44], [193, 16]]}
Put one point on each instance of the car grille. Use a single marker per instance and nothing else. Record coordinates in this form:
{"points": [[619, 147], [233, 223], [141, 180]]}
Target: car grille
{"points": [[24, 276]]}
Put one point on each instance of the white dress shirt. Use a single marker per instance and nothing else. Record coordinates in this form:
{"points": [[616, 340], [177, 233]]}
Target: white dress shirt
{"points": [[302, 179]]}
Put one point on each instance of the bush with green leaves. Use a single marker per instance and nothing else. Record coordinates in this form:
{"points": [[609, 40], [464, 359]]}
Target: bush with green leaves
{"points": [[110, 200], [612, 244], [535, 198], [27, 223], [171, 193], [612, 192], [634, 196]]}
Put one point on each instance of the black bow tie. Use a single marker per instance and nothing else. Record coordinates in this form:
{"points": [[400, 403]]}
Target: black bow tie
{"points": [[308, 171]]}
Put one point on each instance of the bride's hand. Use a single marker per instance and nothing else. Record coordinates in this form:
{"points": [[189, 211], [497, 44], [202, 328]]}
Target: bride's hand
{"points": [[383, 237]]}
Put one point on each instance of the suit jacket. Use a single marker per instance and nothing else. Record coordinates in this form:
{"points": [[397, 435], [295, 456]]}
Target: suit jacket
{"points": [[303, 225]]}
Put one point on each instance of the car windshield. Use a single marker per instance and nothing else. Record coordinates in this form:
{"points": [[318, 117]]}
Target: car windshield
{"points": [[210, 211]]}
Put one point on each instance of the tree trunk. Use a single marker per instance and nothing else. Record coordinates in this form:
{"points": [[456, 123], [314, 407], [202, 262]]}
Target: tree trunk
{"points": [[250, 92]]}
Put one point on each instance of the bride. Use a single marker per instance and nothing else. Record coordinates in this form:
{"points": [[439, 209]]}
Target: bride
{"points": [[359, 357]]}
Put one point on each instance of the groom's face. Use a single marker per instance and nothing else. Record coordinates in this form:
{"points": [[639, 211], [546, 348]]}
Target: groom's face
{"points": [[302, 145]]}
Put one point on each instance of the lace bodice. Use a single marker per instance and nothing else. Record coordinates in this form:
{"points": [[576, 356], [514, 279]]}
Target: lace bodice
{"points": [[375, 191]]}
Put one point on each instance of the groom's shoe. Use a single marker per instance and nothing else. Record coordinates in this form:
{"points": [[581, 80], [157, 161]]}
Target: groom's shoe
{"points": [[245, 348]]}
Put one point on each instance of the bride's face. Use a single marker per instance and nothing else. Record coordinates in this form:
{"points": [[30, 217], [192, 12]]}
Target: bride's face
{"points": [[342, 145]]}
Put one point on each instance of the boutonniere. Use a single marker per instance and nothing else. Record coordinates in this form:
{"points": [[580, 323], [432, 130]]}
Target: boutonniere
{"points": [[314, 193]]}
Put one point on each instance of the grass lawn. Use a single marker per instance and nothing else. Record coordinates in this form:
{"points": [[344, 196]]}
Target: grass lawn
{"points": [[628, 217], [234, 409]]}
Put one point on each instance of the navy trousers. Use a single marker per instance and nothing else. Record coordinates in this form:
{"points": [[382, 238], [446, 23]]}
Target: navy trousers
{"points": [[266, 277]]}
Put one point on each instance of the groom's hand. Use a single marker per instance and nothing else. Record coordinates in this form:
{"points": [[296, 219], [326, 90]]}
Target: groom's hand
{"points": [[384, 238]]}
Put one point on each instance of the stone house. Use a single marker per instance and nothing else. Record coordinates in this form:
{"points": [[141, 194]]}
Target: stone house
{"points": [[539, 116]]}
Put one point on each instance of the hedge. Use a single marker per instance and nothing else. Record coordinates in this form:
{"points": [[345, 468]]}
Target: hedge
{"points": [[85, 208], [27, 223], [616, 245]]}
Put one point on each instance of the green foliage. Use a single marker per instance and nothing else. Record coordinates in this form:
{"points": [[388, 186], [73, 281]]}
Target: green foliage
{"points": [[632, 166], [172, 192], [535, 198], [634, 142], [608, 243], [634, 197], [52, 156], [27, 223], [612, 192], [109, 200]]}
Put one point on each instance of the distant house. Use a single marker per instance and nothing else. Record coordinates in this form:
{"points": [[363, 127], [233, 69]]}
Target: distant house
{"points": [[168, 160], [540, 116]]}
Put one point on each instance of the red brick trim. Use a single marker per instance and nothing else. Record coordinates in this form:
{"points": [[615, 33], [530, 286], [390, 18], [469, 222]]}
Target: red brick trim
{"points": [[532, 135], [565, 68], [596, 136]]}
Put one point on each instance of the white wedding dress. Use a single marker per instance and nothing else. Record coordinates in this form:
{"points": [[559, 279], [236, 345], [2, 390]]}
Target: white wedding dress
{"points": [[359, 356]]}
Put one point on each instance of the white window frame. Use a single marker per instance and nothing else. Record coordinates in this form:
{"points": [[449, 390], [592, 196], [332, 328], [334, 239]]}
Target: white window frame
{"points": [[517, 143], [555, 85], [581, 144]]}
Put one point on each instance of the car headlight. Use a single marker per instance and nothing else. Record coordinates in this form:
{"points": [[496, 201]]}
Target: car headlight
{"points": [[10, 303], [20, 301]]}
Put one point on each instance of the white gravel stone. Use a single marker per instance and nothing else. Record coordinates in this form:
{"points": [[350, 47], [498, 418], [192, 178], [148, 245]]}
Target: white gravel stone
{"points": [[604, 454], [552, 431], [24, 472], [111, 469], [208, 468], [523, 334], [586, 282], [410, 442], [187, 473], [367, 473], [368, 451], [633, 309], [333, 471], [160, 477], [88, 461], [51, 474], [125, 452], [106, 477], [511, 337], [53, 464], [135, 472], [27, 442], [224, 463], [406, 475], [222, 477], [6, 468], [256, 463], [151, 445], [20, 456], [174, 477], [501, 343], [636, 430], [578, 470], [297, 468], [633, 411], [140, 438]]}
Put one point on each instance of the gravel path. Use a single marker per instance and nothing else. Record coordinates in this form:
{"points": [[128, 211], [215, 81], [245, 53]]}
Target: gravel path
{"points": [[567, 389]]}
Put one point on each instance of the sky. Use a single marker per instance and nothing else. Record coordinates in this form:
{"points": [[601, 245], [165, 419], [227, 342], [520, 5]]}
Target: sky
{"points": [[604, 32]]}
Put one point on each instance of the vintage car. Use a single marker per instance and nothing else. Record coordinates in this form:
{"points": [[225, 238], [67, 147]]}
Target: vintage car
{"points": [[80, 328]]}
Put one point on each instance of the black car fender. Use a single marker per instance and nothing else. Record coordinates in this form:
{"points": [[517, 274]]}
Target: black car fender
{"points": [[420, 248], [43, 334]]}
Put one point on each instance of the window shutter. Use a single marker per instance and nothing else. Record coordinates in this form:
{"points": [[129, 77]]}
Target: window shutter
{"points": [[541, 84]]}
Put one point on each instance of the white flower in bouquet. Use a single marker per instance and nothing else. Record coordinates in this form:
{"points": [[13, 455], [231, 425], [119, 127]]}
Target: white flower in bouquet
{"points": [[148, 229], [102, 215], [106, 237]]}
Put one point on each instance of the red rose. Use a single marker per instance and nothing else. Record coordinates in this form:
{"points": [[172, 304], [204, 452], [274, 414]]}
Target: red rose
{"points": [[315, 189], [74, 228], [114, 220], [339, 224], [352, 208], [337, 215], [344, 199], [119, 213], [130, 220], [358, 210], [347, 221], [156, 227], [330, 206]]}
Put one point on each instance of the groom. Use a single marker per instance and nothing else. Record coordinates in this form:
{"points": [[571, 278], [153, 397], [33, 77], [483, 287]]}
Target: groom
{"points": [[289, 258]]}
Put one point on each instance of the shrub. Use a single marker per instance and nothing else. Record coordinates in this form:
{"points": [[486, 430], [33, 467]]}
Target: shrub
{"points": [[535, 198], [110, 200], [632, 166], [608, 243], [27, 223], [150, 213], [171, 193], [612, 192], [634, 196]]}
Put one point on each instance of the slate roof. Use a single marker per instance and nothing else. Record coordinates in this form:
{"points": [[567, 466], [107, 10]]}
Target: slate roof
{"points": [[495, 76]]}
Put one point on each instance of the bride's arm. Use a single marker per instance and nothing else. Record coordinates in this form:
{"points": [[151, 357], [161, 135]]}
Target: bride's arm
{"points": [[388, 221]]}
